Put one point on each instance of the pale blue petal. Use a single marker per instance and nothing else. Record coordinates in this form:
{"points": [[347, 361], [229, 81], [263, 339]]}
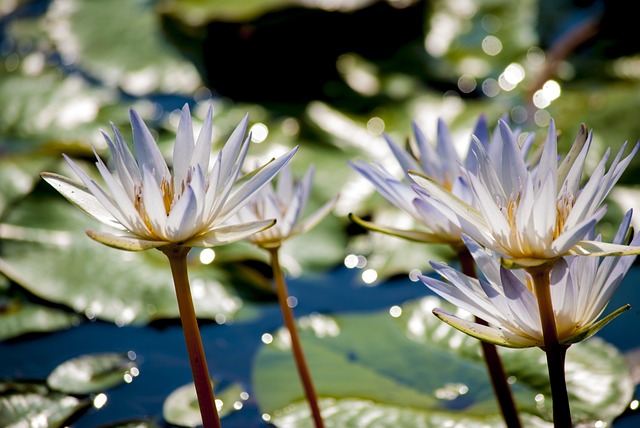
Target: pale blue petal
{"points": [[406, 161]]}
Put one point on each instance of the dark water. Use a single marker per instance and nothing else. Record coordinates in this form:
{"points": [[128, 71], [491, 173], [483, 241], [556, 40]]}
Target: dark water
{"points": [[231, 347]]}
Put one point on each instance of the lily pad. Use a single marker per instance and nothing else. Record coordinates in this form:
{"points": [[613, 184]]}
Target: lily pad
{"points": [[23, 405], [46, 251], [20, 317], [45, 110], [406, 368], [18, 176], [91, 373], [196, 12], [149, 64], [181, 406]]}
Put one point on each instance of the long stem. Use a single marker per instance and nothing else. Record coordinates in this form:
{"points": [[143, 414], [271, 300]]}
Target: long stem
{"points": [[204, 390], [501, 388], [555, 351], [296, 346]]}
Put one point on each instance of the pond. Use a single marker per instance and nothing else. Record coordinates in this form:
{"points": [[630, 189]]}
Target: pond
{"points": [[230, 348]]}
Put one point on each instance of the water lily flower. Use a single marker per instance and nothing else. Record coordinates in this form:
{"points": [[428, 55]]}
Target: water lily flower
{"points": [[581, 288], [155, 206], [442, 165], [531, 216], [284, 201]]}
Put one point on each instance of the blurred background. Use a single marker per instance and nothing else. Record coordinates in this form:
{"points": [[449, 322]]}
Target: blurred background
{"points": [[328, 75]]}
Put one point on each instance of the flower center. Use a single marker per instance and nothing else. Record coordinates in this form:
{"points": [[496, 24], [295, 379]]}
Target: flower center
{"points": [[564, 204]]}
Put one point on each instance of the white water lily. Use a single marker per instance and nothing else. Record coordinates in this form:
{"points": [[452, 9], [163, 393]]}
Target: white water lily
{"points": [[581, 288], [531, 216], [155, 207], [442, 165], [284, 201]]}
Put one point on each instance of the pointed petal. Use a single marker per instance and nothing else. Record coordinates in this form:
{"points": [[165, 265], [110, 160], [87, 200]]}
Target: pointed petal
{"points": [[202, 152], [411, 235], [230, 233], [183, 148], [147, 152], [594, 328], [80, 196], [598, 249], [577, 152], [128, 243], [514, 169], [404, 158], [233, 147], [242, 195], [485, 333], [181, 223]]}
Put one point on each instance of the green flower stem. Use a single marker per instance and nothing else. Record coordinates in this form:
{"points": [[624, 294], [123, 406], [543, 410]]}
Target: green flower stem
{"points": [[178, 260], [296, 346], [555, 351], [501, 388]]}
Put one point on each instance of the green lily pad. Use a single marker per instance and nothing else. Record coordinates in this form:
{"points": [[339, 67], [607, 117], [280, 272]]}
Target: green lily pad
{"points": [[18, 176], [149, 64], [195, 12], [181, 406], [91, 373], [47, 110], [407, 368], [46, 251], [28, 405], [19, 317]]}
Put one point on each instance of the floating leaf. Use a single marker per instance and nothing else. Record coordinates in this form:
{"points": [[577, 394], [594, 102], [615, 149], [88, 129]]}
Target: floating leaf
{"points": [[150, 64], [47, 109], [91, 373], [20, 317], [45, 250], [181, 406], [18, 176], [196, 12], [408, 369], [24, 405]]}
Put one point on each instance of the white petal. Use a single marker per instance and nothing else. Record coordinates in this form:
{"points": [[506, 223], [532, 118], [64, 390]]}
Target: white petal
{"points": [[202, 152], [485, 333], [596, 248], [227, 234], [153, 203], [241, 195], [514, 170], [233, 148], [129, 243], [147, 152], [103, 198], [82, 198], [181, 223], [183, 148], [568, 240]]}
